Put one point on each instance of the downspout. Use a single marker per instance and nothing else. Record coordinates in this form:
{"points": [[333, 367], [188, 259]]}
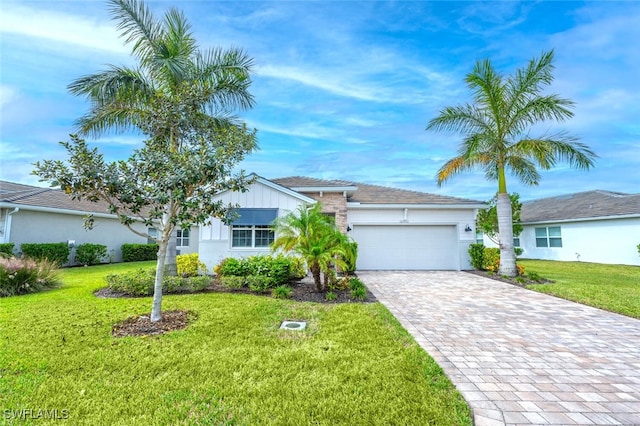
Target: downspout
{"points": [[7, 225]]}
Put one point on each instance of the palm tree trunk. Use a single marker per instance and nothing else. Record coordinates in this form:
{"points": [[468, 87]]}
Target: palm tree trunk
{"points": [[505, 229], [315, 272]]}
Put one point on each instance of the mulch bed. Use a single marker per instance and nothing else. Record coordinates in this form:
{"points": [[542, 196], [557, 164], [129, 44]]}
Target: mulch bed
{"points": [[142, 325], [302, 291]]}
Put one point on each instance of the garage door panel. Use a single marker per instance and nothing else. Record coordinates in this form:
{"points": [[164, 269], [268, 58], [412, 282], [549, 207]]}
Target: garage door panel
{"points": [[411, 247]]}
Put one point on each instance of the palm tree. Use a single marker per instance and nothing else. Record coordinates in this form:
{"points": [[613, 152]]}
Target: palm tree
{"points": [[169, 64], [313, 236], [496, 130]]}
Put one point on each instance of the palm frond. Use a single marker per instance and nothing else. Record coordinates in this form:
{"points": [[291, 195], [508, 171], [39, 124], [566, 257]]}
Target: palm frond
{"points": [[137, 25], [559, 147], [523, 169], [461, 119]]}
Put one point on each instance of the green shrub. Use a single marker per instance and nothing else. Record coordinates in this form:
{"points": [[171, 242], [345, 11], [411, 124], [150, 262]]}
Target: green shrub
{"points": [[476, 252], [140, 283], [22, 276], [55, 252], [638, 248], [198, 283], [355, 283], [282, 292], [278, 268], [259, 283], [330, 296], [189, 265], [232, 281], [491, 259], [297, 268], [135, 283], [359, 293], [518, 251], [230, 267], [7, 248], [139, 252], [90, 254], [351, 256]]}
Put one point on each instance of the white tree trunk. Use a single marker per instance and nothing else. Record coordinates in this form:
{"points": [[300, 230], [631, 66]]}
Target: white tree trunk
{"points": [[170, 265], [156, 310], [505, 229]]}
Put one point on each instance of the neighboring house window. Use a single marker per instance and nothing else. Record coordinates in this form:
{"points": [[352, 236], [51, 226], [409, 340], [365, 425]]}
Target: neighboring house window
{"points": [[252, 228], [549, 236], [516, 241], [182, 238], [153, 233], [479, 237]]}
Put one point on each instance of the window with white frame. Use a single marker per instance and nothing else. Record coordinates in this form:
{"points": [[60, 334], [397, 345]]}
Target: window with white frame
{"points": [[252, 228], [153, 233], [549, 236], [516, 241], [182, 238], [479, 237]]}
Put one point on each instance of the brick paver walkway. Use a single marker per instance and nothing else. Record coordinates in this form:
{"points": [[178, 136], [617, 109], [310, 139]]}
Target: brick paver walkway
{"points": [[517, 356]]}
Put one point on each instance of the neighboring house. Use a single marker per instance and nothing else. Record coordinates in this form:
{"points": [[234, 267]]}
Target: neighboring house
{"points": [[394, 228], [30, 214], [593, 226]]}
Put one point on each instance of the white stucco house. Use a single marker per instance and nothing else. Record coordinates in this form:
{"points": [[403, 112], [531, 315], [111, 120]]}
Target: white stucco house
{"points": [[593, 226], [30, 214], [395, 229]]}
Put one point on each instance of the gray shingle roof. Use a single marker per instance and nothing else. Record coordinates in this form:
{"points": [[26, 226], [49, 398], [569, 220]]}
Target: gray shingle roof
{"points": [[374, 194], [581, 205], [26, 195]]}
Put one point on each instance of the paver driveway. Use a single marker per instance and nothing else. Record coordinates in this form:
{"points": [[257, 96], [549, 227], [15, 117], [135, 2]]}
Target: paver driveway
{"points": [[517, 356]]}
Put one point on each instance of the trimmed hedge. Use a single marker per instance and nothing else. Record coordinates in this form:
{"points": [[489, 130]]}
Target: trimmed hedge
{"points": [[476, 252], [55, 252], [7, 248], [279, 269], [139, 252], [90, 254]]}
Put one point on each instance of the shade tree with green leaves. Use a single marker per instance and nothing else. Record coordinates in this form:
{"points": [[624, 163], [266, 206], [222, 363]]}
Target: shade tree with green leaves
{"points": [[496, 127], [169, 64], [182, 100]]}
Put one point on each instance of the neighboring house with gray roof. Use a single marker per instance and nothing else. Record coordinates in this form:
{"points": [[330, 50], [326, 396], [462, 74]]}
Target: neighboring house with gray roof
{"points": [[394, 228], [30, 214], [592, 226]]}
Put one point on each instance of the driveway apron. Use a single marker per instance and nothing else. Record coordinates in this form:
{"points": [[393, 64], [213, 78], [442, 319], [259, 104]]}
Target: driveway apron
{"points": [[519, 357]]}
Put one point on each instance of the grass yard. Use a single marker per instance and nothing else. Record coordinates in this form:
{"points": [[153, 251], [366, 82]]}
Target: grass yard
{"points": [[614, 288], [354, 364]]}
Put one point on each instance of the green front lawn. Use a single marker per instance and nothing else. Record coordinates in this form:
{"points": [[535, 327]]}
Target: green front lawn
{"points": [[354, 364], [615, 288]]}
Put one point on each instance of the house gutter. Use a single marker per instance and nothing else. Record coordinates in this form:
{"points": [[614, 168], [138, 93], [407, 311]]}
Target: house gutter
{"points": [[59, 211], [353, 205], [7, 225], [582, 219]]}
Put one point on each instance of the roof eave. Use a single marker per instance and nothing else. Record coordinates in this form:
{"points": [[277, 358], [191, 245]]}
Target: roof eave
{"points": [[582, 219], [355, 205]]}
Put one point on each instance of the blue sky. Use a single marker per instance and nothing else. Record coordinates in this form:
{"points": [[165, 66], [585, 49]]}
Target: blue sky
{"points": [[344, 90]]}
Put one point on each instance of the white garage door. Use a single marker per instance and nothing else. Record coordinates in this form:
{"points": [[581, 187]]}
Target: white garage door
{"points": [[417, 247]]}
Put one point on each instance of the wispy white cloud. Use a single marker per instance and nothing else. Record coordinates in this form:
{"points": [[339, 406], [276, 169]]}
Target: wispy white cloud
{"points": [[50, 26]]}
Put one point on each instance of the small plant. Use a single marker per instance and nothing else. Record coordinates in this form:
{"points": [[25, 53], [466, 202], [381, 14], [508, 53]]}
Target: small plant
{"points": [[330, 296], [520, 269], [520, 279], [135, 283], [230, 266], [172, 284], [189, 265], [90, 254], [281, 292], [491, 259], [259, 283], [232, 282], [533, 276], [475, 252], [355, 283], [198, 283], [359, 293], [638, 248], [22, 276]]}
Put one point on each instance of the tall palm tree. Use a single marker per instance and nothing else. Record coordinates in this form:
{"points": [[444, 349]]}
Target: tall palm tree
{"points": [[169, 63], [496, 128], [313, 236]]}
